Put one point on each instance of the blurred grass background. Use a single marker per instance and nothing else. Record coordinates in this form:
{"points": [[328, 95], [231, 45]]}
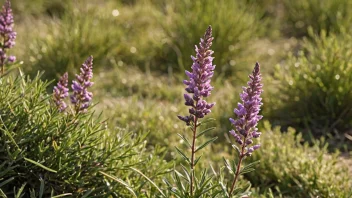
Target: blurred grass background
{"points": [[142, 47]]}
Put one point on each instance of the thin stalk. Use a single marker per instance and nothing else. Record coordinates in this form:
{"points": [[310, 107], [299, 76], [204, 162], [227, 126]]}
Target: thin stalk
{"points": [[238, 167], [193, 153], [2, 61]]}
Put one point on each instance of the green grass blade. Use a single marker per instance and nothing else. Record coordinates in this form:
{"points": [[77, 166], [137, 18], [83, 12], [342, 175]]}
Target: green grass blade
{"points": [[18, 195], [40, 165], [6, 181], [62, 195], [119, 181], [136, 170], [2, 194]]}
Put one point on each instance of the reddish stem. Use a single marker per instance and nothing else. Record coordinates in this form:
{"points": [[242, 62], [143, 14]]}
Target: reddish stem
{"points": [[193, 153], [238, 167]]}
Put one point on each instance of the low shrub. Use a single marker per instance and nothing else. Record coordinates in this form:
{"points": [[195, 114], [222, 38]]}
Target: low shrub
{"points": [[291, 168], [39, 8], [234, 23], [51, 153], [329, 15], [314, 88], [114, 34]]}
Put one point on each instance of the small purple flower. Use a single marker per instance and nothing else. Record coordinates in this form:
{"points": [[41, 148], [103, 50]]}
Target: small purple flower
{"points": [[8, 35], [60, 92], [11, 59], [81, 97], [199, 80], [247, 112]]}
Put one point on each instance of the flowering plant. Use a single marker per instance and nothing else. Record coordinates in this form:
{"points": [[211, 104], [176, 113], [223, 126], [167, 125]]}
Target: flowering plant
{"points": [[7, 34]]}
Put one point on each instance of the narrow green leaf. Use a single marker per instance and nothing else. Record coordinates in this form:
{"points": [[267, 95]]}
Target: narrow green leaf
{"points": [[6, 131], [186, 173], [248, 168], [206, 143], [6, 181], [234, 166], [236, 191], [119, 181], [87, 193], [197, 159], [185, 139], [204, 131], [206, 121], [62, 195], [138, 171], [167, 182], [18, 195], [178, 181], [224, 190], [41, 190], [246, 171], [2, 194], [236, 148], [226, 162], [228, 166], [32, 193], [183, 155], [251, 165], [40, 165]]}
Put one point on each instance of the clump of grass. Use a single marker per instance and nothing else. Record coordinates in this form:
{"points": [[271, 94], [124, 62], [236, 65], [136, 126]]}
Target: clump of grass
{"points": [[79, 33], [40, 8], [294, 169], [314, 87], [234, 23], [329, 15]]}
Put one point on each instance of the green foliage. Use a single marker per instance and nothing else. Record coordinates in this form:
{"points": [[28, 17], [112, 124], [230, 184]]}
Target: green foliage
{"points": [[234, 24], [204, 185], [298, 170], [151, 102], [108, 31], [329, 15], [48, 153], [314, 89], [37, 8]]}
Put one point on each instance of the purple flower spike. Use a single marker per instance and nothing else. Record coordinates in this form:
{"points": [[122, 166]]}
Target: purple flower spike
{"points": [[247, 119], [247, 111], [7, 34], [81, 97], [199, 79], [60, 92]]}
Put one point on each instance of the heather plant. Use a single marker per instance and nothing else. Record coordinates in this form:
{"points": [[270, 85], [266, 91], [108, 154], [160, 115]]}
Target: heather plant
{"points": [[318, 81], [245, 130], [183, 20]]}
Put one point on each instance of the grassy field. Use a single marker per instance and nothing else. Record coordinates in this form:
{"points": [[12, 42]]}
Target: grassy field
{"points": [[141, 49]]}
